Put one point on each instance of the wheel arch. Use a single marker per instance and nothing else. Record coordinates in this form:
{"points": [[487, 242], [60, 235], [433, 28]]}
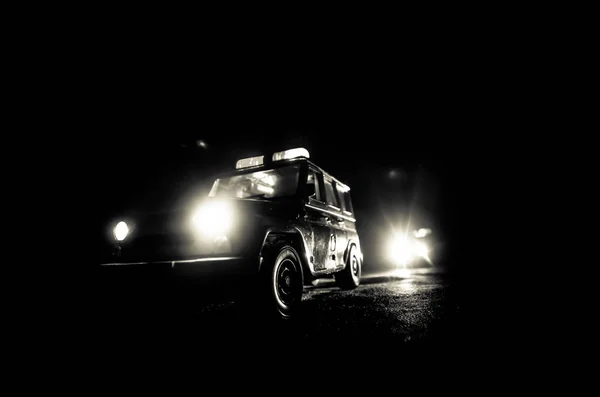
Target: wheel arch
{"points": [[356, 245], [276, 238]]}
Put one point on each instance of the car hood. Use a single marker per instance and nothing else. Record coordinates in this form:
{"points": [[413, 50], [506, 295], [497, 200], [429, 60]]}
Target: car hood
{"points": [[263, 207]]}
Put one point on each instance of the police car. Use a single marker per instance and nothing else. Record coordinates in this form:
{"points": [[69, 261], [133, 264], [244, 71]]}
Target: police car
{"points": [[275, 223]]}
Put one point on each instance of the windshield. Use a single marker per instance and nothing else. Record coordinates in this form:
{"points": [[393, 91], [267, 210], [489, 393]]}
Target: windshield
{"points": [[270, 184]]}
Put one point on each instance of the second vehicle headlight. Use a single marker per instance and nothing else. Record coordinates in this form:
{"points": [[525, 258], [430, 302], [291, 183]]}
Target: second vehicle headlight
{"points": [[403, 249], [420, 249], [399, 249]]}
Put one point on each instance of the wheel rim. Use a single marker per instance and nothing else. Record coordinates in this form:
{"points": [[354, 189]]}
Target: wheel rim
{"points": [[286, 282], [355, 267]]}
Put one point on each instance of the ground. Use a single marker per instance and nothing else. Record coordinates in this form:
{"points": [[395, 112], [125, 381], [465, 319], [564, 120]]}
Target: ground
{"points": [[406, 311]]}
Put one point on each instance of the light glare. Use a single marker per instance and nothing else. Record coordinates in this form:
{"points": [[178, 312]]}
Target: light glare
{"points": [[213, 218], [423, 232], [403, 250], [421, 249], [399, 250]]}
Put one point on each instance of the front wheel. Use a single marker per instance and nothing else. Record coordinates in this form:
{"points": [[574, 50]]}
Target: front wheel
{"points": [[349, 278], [281, 284]]}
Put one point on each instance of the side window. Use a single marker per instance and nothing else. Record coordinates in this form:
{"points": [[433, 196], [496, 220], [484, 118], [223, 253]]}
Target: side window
{"points": [[348, 203], [331, 194], [314, 186], [344, 194]]}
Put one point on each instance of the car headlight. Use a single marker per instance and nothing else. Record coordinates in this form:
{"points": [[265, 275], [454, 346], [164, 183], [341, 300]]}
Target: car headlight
{"points": [[213, 218], [121, 231], [399, 249], [421, 249], [403, 249]]}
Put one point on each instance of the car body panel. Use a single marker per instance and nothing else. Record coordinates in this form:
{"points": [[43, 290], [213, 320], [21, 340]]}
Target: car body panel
{"points": [[321, 233]]}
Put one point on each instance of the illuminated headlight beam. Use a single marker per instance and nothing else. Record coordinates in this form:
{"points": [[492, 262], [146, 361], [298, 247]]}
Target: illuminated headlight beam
{"points": [[213, 218], [403, 250], [420, 249]]}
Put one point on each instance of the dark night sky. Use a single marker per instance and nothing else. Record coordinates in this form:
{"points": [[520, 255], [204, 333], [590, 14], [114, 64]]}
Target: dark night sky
{"points": [[378, 131]]}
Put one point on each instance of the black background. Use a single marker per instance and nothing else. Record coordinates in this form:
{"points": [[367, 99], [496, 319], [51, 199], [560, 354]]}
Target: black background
{"points": [[448, 89], [117, 112]]}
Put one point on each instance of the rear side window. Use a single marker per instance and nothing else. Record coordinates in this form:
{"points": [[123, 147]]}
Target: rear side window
{"points": [[348, 203], [314, 186], [331, 194], [344, 194]]}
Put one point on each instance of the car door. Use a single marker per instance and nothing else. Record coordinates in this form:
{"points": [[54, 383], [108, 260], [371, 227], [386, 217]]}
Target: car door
{"points": [[318, 219], [336, 221]]}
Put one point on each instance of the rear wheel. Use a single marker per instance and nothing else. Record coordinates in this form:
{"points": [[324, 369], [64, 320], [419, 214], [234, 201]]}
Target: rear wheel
{"points": [[349, 278]]}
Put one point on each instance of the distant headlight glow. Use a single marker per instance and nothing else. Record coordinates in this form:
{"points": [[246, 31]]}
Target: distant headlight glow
{"points": [[214, 218], [402, 249], [121, 231], [421, 249], [399, 249]]}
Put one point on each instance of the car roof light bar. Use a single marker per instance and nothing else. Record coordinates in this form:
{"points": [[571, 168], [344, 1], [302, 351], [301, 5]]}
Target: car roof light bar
{"points": [[277, 156], [291, 154], [250, 162]]}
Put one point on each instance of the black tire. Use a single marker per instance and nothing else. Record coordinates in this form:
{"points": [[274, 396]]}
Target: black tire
{"points": [[349, 278], [282, 283]]}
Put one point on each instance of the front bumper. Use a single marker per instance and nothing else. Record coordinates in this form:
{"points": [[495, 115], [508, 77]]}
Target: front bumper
{"points": [[204, 268], [160, 283]]}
